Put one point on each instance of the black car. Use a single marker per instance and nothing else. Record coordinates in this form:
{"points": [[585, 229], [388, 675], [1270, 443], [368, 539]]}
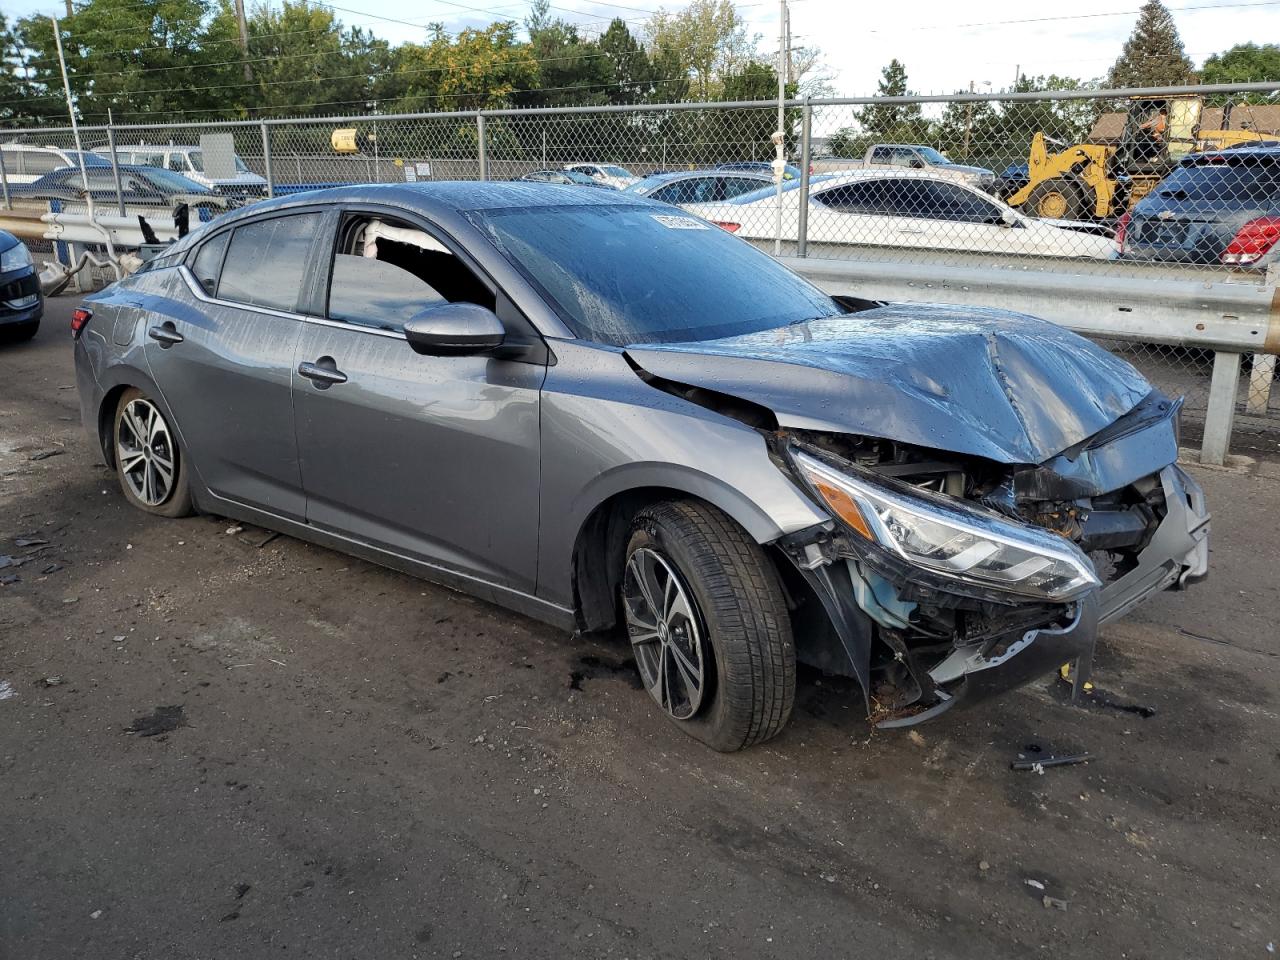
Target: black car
{"points": [[567, 177], [1221, 207], [139, 186], [21, 302]]}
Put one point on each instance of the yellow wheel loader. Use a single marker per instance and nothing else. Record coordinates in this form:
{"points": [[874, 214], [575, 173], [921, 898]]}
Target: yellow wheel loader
{"points": [[1102, 180]]}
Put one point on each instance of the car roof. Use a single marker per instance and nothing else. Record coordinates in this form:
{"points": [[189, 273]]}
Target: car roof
{"points": [[438, 199], [671, 175], [1229, 152]]}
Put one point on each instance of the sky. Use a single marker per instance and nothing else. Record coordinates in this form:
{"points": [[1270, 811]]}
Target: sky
{"points": [[944, 45]]}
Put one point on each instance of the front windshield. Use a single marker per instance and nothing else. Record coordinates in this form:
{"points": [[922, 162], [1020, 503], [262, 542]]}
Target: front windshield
{"points": [[616, 171], [197, 162], [932, 156], [172, 182], [622, 274]]}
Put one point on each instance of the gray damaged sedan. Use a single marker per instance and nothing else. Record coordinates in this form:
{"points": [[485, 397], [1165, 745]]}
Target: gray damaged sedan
{"points": [[600, 412]]}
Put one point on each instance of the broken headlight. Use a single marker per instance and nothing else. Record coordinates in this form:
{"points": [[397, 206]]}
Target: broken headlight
{"points": [[952, 539]]}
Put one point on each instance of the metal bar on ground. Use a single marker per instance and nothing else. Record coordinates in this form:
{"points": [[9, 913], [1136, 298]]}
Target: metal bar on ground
{"points": [[1220, 417]]}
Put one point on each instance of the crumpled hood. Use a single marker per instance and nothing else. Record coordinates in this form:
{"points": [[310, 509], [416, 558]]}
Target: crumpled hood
{"points": [[989, 383]]}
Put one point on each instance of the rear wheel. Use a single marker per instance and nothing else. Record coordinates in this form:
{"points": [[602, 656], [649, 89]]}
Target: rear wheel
{"points": [[149, 464], [708, 625], [1057, 199]]}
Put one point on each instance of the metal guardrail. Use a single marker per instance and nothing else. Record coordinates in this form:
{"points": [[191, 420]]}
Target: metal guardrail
{"points": [[1231, 319]]}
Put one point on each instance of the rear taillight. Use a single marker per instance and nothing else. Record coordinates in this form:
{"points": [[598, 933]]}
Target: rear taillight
{"points": [[1122, 229], [725, 225], [80, 318], [1254, 241]]}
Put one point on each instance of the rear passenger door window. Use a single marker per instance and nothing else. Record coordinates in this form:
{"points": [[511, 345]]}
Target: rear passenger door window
{"points": [[208, 262], [266, 261]]}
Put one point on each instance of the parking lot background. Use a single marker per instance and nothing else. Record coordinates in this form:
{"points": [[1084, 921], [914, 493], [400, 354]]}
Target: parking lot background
{"points": [[371, 766]]}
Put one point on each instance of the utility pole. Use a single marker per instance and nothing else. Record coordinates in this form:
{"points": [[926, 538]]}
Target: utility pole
{"points": [[69, 10], [780, 137], [243, 26]]}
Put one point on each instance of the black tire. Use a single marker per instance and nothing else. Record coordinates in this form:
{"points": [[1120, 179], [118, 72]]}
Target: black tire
{"points": [[176, 498], [739, 613], [1056, 199]]}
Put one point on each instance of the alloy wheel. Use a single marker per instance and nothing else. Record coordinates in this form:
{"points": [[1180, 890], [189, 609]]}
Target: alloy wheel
{"points": [[146, 452], [665, 635]]}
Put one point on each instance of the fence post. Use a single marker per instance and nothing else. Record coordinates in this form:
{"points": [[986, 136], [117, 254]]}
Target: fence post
{"points": [[115, 167], [806, 138], [481, 148], [1260, 380], [266, 159], [1223, 388], [4, 184]]}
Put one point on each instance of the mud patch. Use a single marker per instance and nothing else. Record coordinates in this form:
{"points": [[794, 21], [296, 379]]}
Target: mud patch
{"points": [[591, 667], [161, 720]]}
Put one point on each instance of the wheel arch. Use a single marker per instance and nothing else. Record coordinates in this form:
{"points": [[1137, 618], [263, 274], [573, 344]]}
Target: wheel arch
{"points": [[114, 384], [597, 555]]}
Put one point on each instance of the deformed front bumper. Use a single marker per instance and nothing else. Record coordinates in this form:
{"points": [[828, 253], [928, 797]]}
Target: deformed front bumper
{"points": [[1176, 556], [859, 591]]}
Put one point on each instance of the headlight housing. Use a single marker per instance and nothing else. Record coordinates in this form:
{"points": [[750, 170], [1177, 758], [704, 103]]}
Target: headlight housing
{"points": [[953, 540], [14, 258]]}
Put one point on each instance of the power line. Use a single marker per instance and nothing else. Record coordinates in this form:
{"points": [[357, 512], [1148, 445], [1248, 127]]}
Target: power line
{"points": [[365, 100], [1066, 16]]}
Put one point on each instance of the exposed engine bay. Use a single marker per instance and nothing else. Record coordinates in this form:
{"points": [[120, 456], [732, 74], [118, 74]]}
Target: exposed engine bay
{"points": [[932, 635]]}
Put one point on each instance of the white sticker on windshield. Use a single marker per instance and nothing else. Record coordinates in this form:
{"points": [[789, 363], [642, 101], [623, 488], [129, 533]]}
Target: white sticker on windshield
{"points": [[678, 223]]}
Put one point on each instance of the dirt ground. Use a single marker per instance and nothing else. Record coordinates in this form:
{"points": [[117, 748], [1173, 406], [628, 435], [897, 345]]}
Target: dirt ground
{"points": [[367, 766]]}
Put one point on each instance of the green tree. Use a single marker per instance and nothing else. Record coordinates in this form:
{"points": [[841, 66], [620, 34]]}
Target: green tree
{"points": [[1243, 63], [1153, 56], [143, 59], [898, 122], [709, 38]]}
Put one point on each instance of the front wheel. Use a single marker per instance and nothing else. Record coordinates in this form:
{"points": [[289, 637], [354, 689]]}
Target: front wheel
{"points": [[708, 625], [1056, 199], [149, 464]]}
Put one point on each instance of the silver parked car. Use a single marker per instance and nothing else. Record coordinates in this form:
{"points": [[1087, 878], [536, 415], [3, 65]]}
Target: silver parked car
{"points": [[602, 412]]}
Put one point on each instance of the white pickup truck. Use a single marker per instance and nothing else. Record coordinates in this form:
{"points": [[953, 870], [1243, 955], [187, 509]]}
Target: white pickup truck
{"points": [[912, 156]]}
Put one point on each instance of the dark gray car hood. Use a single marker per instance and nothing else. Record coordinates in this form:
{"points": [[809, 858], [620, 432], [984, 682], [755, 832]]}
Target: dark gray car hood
{"points": [[993, 384]]}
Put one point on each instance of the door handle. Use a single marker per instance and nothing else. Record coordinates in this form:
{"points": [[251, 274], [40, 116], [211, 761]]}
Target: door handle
{"points": [[324, 373], [166, 333]]}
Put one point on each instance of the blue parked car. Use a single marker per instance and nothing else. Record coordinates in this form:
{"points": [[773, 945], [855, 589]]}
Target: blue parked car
{"points": [[21, 302], [1219, 207], [699, 186]]}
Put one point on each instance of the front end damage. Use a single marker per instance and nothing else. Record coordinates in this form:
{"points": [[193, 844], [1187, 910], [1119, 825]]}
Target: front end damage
{"points": [[947, 579]]}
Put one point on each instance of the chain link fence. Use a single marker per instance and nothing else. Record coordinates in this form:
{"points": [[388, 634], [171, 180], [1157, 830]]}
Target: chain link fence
{"points": [[1152, 184]]}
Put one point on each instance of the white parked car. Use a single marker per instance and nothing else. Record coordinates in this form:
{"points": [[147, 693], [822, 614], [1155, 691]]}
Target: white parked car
{"points": [[610, 174], [885, 208], [189, 161], [27, 163]]}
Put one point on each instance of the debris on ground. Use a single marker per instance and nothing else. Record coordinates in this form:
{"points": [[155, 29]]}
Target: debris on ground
{"points": [[1039, 765], [1034, 884], [1053, 903], [30, 542], [6, 690], [916, 737], [1094, 696], [9, 579], [161, 720], [46, 454], [51, 681], [233, 530]]}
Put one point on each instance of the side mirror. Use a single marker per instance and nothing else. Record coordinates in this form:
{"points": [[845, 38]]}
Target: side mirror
{"points": [[454, 330]]}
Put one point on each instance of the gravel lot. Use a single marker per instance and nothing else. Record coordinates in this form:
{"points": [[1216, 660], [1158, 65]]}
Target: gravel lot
{"points": [[369, 766]]}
